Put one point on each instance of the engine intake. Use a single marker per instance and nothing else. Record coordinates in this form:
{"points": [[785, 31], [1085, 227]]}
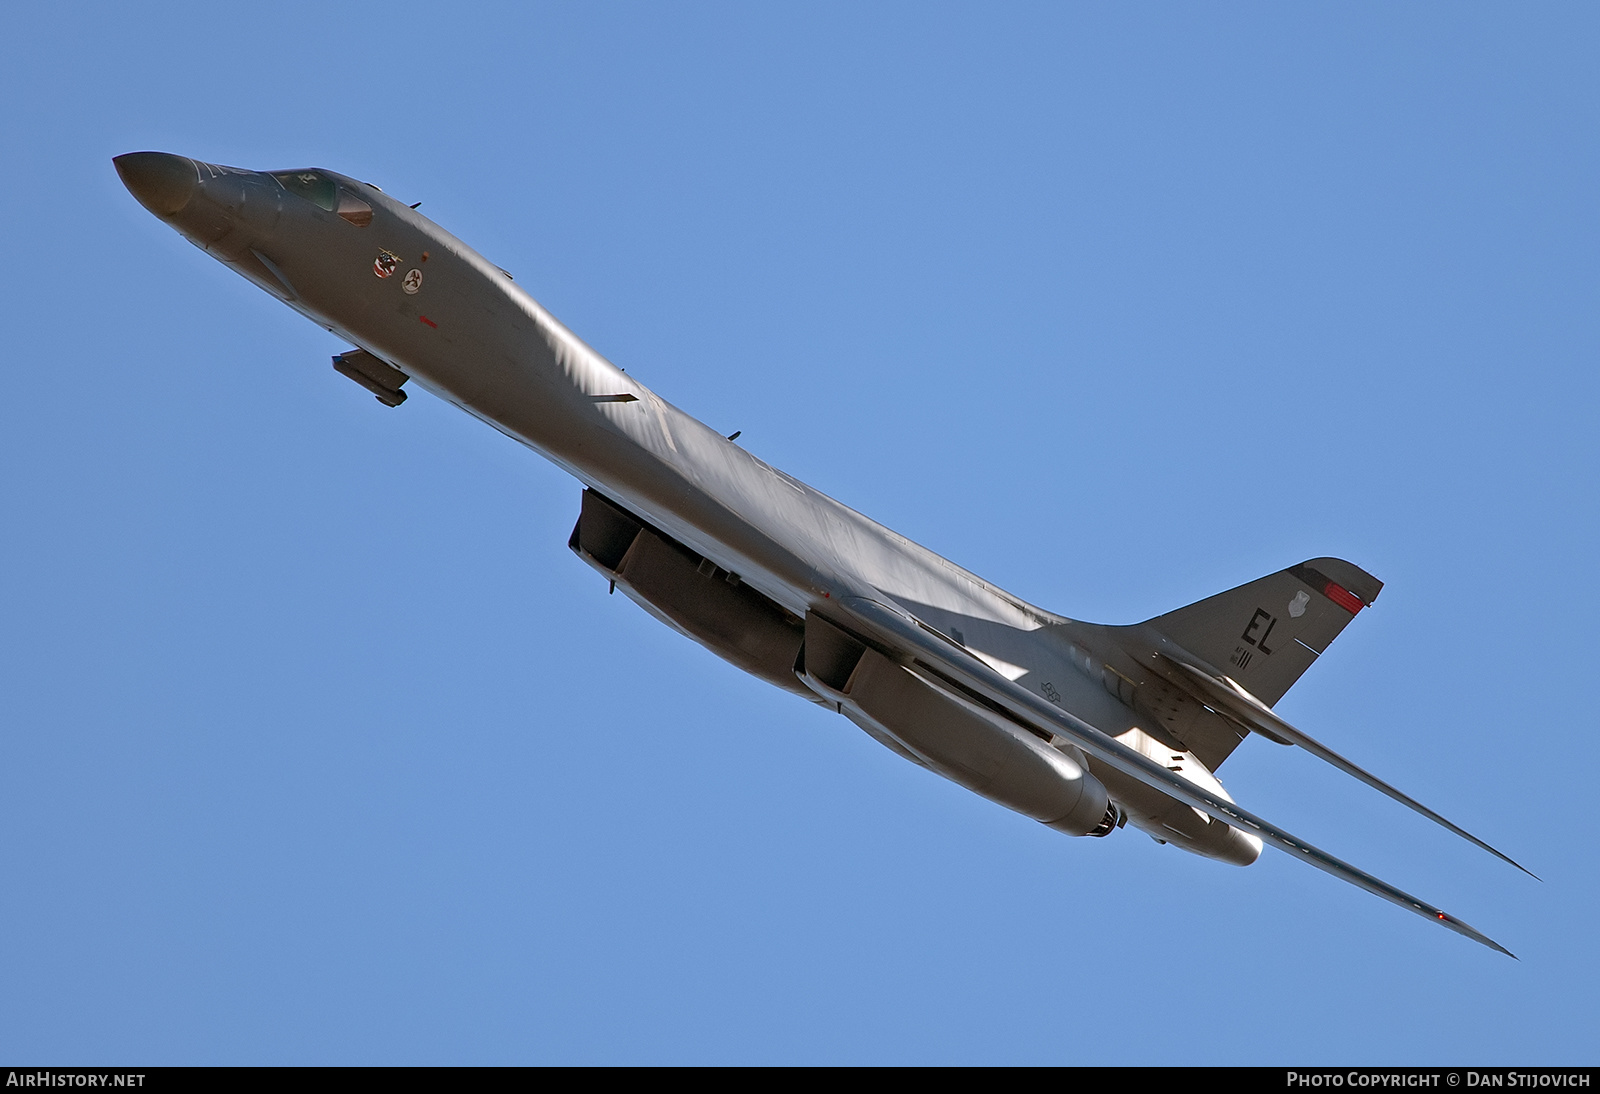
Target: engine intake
{"points": [[690, 593]]}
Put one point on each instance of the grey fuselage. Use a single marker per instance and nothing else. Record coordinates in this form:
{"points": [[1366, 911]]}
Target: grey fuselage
{"points": [[390, 281]]}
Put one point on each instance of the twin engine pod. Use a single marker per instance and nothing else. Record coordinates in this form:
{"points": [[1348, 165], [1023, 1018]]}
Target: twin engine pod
{"points": [[912, 713], [928, 722]]}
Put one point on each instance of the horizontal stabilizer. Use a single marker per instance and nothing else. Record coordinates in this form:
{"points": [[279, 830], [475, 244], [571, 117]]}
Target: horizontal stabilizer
{"points": [[1221, 692], [897, 632]]}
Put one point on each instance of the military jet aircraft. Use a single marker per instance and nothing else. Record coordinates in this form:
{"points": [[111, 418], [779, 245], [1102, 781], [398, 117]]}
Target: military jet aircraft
{"points": [[1083, 727]]}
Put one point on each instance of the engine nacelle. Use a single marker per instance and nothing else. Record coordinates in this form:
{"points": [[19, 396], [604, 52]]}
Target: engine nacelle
{"points": [[689, 593], [915, 716], [926, 721], [1179, 825]]}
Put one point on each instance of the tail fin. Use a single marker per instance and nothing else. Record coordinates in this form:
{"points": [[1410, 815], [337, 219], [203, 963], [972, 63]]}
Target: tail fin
{"points": [[1267, 633]]}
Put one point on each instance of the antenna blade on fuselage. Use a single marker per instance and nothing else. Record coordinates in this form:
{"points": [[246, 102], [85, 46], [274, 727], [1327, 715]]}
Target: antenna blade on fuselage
{"points": [[898, 633]]}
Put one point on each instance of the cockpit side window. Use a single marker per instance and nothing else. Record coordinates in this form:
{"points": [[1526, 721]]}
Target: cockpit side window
{"points": [[325, 193], [353, 209]]}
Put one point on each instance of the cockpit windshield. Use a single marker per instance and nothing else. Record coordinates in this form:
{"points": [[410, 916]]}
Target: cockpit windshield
{"points": [[314, 186], [325, 193]]}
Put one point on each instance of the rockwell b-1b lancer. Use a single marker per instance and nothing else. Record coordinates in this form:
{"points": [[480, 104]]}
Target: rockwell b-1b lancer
{"points": [[1085, 728]]}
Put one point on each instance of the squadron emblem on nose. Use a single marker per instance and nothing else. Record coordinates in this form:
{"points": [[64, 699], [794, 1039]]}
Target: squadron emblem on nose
{"points": [[412, 281], [385, 264]]}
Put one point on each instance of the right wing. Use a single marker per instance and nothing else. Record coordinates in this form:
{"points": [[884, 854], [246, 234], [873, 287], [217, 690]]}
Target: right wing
{"points": [[904, 637], [1223, 692]]}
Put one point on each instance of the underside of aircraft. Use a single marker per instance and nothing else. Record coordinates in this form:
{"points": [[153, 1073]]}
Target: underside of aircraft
{"points": [[1086, 728]]}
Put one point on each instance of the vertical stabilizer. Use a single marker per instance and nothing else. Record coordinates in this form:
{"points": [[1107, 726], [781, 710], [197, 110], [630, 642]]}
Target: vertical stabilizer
{"points": [[1267, 633]]}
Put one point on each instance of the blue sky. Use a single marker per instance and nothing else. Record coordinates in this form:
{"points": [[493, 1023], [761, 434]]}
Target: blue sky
{"points": [[318, 746]]}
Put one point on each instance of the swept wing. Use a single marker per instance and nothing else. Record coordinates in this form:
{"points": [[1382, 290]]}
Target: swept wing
{"points": [[898, 633], [1220, 691]]}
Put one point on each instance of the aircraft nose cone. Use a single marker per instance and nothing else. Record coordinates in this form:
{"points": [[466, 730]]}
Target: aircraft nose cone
{"points": [[163, 183]]}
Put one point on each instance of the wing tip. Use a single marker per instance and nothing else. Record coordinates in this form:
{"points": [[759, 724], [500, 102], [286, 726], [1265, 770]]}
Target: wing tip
{"points": [[1450, 921], [1496, 852]]}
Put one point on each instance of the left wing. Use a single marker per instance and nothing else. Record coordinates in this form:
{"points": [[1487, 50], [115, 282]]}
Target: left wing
{"points": [[904, 637]]}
